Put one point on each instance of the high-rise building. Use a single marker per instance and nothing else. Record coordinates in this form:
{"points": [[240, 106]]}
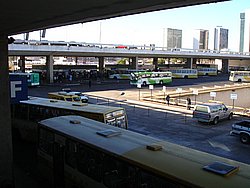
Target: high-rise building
{"points": [[245, 31], [172, 38], [200, 39], [220, 38]]}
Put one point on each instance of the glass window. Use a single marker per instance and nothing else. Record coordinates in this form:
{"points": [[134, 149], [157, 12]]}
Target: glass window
{"points": [[46, 139], [70, 153]]}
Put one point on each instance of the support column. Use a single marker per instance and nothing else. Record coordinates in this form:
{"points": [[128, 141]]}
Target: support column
{"points": [[49, 68], [155, 63], [133, 61], [225, 66], [190, 62], [76, 59], [6, 158], [22, 63], [101, 64]]}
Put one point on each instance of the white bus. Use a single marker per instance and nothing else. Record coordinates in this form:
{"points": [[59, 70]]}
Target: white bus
{"points": [[152, 78], [207, 71], [122, 74], [184, 73], [239, 76]]}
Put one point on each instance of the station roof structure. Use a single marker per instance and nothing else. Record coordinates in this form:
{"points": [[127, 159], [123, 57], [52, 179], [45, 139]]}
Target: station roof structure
{"points": [[19, 16]]}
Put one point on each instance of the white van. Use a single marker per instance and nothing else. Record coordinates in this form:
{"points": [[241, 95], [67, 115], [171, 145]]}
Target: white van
{"points": [[211, 112]]}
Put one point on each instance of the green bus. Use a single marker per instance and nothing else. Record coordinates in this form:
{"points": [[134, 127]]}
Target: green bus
{"points": [[150, 78]]}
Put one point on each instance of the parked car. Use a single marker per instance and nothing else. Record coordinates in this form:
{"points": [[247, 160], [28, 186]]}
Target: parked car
{"points": [[212, 112], [242, 128]]}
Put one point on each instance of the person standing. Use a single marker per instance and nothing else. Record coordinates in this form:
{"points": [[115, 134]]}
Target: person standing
{"points": [[188, 103], [90, 83], [168, 99]]}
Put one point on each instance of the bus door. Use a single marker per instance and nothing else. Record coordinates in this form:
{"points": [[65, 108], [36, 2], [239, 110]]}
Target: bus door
{"points": [[58, 161]]}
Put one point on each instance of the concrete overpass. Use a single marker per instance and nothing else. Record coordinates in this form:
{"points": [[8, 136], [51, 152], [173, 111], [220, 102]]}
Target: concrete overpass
{"points": [[18, 16]]}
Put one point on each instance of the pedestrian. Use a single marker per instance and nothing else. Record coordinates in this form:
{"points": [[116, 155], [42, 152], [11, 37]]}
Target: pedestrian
{"points": [[90, 83], [188, 103], [167, 99]]}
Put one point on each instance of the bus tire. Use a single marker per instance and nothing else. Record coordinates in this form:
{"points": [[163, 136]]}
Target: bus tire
{"points": [[161, 82], [206, 74], [239, 80], [144, 83], [244, 138], [186, 77], [115, 78], [216, 120]]}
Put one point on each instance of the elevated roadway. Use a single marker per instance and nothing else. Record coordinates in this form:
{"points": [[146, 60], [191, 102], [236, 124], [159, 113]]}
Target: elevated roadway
{"points": [[38, 48]]}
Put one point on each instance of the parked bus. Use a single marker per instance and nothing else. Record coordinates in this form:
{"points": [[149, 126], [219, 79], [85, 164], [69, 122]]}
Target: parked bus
{"points": [[68, 96], [122, 74], [27, 113], [207, 71], [146, 78], [184, 73], [33, 79], [77, 152], [239, 76]]}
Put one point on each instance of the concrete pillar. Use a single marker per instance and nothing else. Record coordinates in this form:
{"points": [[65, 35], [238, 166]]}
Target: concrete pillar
{"points": [[76, 59], [190, 62], [133, 61], [101, 64], [155, 63], [49, 68], [6, 158], [225, 66], [22, 63]]}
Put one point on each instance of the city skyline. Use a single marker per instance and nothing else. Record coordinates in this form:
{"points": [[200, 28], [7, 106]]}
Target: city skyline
{"points": [[148, 28]]}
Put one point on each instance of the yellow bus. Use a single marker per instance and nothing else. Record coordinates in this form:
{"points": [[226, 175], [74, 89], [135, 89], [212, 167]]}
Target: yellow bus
{"points": [[184, 73], [77, 152], [68, 96], [27, 113]]}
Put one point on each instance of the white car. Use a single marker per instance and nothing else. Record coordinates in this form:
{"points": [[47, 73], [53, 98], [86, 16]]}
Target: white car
{"points": [[212, 112]]}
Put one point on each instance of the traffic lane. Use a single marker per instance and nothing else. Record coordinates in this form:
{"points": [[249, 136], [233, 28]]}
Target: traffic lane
{"points": [[184, 130]]}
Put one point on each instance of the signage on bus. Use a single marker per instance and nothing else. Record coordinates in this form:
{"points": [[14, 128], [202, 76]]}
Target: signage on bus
{"points": [[18, 88]]}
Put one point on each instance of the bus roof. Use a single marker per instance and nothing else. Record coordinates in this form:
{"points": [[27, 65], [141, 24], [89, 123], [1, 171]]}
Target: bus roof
{"points": [[75, 106], [182, 163]]}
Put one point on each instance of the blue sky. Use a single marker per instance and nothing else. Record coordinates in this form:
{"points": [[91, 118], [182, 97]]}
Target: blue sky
{"points": [[147, 28]]}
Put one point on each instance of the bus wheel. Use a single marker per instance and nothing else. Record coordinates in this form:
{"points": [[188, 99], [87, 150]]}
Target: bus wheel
{"points": [[206, 74], [185, 76], [239, 80], [144, 83], [161, 82], [115, 78], [244, 138]]}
